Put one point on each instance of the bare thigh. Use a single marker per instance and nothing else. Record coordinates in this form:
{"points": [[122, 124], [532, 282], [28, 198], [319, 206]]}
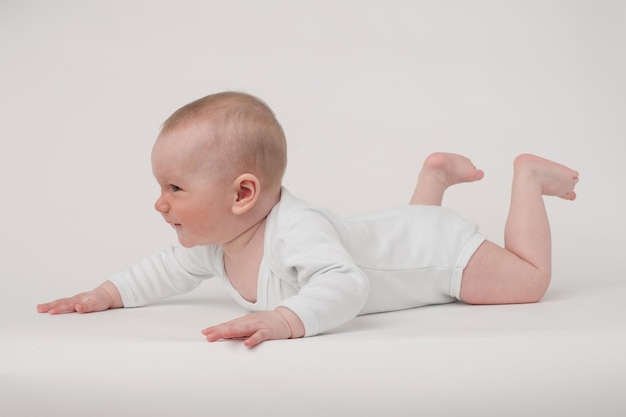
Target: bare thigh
{"points": [[495, 275]]}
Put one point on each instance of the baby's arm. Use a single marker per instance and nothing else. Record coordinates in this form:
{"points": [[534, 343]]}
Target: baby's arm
{"points": [[168, 272], [102, 298], [307, 253]]}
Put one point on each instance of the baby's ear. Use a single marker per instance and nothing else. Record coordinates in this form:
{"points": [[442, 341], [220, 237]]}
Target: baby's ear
{"points": [[247, 189]]}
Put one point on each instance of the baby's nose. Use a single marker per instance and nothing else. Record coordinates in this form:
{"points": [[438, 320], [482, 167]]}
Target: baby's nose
{"points": [[161, 206]]}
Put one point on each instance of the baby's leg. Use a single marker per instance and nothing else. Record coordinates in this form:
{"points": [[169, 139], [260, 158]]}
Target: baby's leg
{"points": [[440, 171], [520, 272]]}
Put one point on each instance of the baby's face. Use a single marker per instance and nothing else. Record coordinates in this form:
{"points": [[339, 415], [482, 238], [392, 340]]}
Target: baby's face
{"points": [[194, 201]]}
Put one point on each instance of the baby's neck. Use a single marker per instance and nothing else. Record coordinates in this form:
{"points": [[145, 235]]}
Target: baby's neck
{"points": [[246, 240], [243, 262], [242, 255]]}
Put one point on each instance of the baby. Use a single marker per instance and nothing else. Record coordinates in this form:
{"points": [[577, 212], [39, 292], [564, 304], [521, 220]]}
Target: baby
{"points": [[301, 269]]}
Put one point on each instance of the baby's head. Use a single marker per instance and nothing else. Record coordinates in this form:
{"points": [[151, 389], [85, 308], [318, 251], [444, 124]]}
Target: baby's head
{"points": [[220, 162], [229, 134]]}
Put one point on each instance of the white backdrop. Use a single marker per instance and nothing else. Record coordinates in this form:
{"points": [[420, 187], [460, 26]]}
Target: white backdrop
{"points": [[365, 90]]}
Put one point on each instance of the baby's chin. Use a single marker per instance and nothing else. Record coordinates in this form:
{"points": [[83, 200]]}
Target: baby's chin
{"points": [[186, 243], [190, 243]]}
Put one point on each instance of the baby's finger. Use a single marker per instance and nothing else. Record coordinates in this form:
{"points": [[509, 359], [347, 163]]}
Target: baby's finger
{"points": [[62, 307], [87, 306], [212, 334], [235, 329], [258, 337], [43, 308]]}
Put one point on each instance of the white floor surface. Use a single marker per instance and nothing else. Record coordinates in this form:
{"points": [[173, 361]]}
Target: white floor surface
{"points": [[563, 356]]}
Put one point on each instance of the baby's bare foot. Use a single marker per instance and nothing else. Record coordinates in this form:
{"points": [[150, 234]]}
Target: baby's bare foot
{"points": [[450, 169], [555, 179]]}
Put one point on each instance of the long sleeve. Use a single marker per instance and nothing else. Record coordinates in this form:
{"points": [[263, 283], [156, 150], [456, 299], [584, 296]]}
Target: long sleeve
{"points": [[332, 288], [172, 271]]}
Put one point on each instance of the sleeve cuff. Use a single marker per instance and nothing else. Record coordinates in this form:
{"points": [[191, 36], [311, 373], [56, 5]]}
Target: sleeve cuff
{"points": [[128, 298], [304, 313]]}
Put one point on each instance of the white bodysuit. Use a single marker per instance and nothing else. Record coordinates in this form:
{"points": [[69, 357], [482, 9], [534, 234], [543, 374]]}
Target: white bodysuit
{"points": [[325, 268]]}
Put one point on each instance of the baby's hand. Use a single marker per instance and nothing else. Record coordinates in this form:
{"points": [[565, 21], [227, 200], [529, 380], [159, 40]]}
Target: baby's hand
{"points": [[255, 328], [102, 298]]}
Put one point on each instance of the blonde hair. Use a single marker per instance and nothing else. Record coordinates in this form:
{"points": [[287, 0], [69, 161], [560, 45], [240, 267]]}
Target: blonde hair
{"points": [[241, 135]]}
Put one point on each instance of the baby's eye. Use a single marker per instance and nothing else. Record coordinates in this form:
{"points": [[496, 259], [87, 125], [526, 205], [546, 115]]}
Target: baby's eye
{"points": [[175, 188]]}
